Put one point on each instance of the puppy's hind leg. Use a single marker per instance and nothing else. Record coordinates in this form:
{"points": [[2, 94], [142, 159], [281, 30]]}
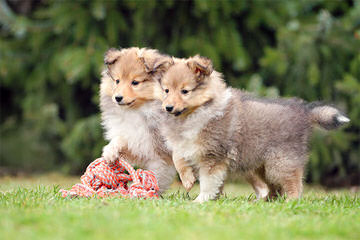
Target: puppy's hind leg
{"points": [[211, 181], [285, 170], [256, 180], [292, 185]]}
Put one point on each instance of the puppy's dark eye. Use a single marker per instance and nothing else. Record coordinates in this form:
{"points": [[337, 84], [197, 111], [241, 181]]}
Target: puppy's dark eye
{"points": [[117, 81], [166, 90], [184, 91], [134, 83]]}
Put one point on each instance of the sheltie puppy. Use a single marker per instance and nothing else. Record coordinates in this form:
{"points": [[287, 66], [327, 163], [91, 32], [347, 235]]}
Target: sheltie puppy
{"points": [[216, 129], [131, 115]]}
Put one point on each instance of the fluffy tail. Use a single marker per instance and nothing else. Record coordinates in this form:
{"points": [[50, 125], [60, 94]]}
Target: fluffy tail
{"points": [[327, 117]]}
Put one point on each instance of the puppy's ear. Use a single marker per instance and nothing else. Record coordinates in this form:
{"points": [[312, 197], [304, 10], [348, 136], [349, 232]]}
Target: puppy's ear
{"points": [[162, 64], [157, 65], [200, 66], [111, 56]]}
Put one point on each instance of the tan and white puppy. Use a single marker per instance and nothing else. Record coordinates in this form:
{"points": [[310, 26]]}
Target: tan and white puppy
{"points": [[130, 115], [216, 129]]}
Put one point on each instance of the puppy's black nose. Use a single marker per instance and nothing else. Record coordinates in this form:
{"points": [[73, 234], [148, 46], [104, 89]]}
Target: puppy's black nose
{"points": [[169, 108], [118, 98]]}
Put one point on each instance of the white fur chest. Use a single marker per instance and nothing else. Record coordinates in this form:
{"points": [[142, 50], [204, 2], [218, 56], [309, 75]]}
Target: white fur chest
{"points": [[183, 135], [184, 143], [130, 126]]}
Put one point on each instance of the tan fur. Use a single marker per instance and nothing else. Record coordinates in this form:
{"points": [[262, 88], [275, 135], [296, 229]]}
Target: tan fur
{"points": [[219, 129], [132, 65], [186, 174], [132, 124], [189, 75]]}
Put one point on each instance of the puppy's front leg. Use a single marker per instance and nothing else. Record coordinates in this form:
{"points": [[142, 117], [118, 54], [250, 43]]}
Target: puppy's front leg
{"points": [[185, 172], [211, 181], [111, 151]]}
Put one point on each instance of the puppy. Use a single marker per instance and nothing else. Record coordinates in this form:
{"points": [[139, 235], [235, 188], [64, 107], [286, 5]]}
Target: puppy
{"points": [[217, 128], [130, 116]]}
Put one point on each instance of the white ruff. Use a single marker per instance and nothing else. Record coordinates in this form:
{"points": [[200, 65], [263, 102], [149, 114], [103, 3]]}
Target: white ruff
{"points": [[131, 125]]}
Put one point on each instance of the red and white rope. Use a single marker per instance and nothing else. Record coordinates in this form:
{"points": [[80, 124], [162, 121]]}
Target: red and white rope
{"points": [[104, 180]]}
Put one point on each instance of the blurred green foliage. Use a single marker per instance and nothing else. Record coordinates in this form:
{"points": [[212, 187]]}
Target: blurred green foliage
{"points": [[51, 55]]}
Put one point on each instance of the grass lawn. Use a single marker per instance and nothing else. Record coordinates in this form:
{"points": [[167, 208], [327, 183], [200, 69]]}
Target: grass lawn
{"points": [[30, 208]]}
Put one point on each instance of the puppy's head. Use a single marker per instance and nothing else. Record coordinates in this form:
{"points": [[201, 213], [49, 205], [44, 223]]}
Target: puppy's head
{"points": [[186, 85], [133, 75]]}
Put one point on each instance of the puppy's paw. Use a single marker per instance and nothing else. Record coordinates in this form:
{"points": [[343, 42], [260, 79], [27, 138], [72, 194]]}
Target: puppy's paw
{"points": [[197, 200], [110, 153], [201, 198], [261, 193], [188, 179]]}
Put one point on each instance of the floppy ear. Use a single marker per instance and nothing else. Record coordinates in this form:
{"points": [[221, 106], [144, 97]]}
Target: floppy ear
{"points": [[156, 65], [200, 66], [111, 56]]}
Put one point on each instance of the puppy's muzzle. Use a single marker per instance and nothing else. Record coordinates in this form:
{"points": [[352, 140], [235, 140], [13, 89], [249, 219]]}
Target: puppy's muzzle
{"points": [[118, 99], [169, 108], [177, 112]]}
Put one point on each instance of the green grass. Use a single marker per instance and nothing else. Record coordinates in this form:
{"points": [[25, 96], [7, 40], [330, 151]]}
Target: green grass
{"points": [[32, 209]]}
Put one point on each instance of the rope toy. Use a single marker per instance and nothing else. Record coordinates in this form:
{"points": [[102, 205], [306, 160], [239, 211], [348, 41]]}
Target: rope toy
{"points": [[104, 179]]}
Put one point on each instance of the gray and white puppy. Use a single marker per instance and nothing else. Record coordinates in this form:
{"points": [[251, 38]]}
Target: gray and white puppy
{"points": [[217, 128]]}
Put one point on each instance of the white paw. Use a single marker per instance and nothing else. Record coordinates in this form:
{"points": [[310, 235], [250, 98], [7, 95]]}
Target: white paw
{"points": [[110, 153], [202, 198], [261, 193]]}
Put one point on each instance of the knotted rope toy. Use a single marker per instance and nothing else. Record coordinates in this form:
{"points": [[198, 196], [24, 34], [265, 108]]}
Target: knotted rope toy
{"points": [[104, 179]]}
